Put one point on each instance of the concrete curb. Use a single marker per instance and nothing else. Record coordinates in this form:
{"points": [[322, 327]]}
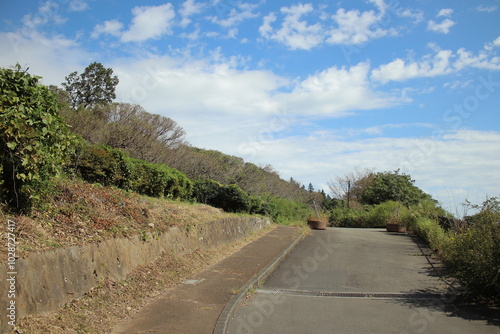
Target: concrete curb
{"points": [[228, 311]]}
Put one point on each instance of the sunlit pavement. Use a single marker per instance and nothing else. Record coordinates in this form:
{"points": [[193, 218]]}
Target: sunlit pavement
{"points": [[358, 281]]}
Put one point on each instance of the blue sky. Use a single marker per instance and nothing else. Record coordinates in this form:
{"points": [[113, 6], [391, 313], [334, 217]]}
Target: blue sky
{"points": [[314, 88]]}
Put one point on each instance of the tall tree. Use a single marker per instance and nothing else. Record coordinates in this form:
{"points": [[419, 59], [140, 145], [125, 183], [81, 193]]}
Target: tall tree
{"points": [[96, 85]]}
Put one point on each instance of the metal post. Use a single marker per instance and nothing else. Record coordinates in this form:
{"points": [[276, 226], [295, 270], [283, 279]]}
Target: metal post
{"points": [[348, 193]]}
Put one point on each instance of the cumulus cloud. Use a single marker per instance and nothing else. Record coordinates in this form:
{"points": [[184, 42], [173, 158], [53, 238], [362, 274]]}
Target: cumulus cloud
{"points": [[111, 27], [445, 12], [337, 92], [235, 15], [401, 70], [149, 22], [344, 27], [416, 14], [294, 32], [189, 8], [445, 25], [492, 45], [480, 60], [355, 27], [443, 62]]}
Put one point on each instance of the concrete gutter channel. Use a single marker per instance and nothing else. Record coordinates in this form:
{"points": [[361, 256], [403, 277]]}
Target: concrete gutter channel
{"points": [[229, 310]]}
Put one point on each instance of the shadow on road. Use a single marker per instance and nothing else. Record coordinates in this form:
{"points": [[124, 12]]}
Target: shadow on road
{"points": [[452, 304]]}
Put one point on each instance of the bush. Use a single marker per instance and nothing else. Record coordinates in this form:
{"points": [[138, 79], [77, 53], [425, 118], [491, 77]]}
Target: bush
{"points": [[102, 164], [34, 141], [285, 211], [429, 230], [376, 216], [112, 167], [230, 198], [474, 255]]}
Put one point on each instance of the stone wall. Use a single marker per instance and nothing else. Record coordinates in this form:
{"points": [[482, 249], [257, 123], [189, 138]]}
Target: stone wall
{"points": [[46, 281]]}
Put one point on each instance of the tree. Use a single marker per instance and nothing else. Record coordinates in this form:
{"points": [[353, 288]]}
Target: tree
{"points": [[143, 135], [392, 186], [94, 86], [357, 180], [34, 141]]}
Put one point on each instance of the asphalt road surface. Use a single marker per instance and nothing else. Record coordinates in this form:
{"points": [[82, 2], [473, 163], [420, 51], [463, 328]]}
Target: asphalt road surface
{"points": [[358, 281]]}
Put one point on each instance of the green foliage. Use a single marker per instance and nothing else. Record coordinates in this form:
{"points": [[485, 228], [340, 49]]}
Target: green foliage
{"points": [[285, 211], [429, 230], [104, 165], [158, 180], [371, 216], [474, 255], [230, 198], [94, 86], [112, 167], [34, 141], [392, 186]]}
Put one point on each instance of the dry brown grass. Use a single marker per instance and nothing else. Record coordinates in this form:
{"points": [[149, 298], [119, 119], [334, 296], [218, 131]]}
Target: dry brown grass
{"points": [[78, 213]]}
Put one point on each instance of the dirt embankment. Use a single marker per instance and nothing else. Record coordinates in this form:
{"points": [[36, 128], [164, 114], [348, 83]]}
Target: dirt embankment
{"points": [[93, 255]]}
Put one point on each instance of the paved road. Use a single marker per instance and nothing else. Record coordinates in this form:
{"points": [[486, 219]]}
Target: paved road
{"points": [[358, 281]]}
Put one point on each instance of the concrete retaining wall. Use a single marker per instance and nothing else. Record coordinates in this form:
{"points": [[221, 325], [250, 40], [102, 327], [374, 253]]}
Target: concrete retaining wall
{"points": [[46, 281]]}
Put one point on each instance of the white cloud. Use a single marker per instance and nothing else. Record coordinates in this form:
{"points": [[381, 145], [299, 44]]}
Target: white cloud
{"points": [[416, 14], [48, 12], [444, 26], [78, 6], [53, 58], [190, 86], [443, 62], [445, 12], [487, 9], [401, 70], [294, 32], [149, 22], [492, 45], [355, 27], [189, 8], [481, 60], [234, 16], [111, 27], [337, 92]]}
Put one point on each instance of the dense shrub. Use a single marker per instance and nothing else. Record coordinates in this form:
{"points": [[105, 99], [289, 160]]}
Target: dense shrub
{"points": [[285, 211], [429, 230], [345, 217], [474, 255], [230, 198], [102, 164], [34, 141], [112, 167], [372, 216]]}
